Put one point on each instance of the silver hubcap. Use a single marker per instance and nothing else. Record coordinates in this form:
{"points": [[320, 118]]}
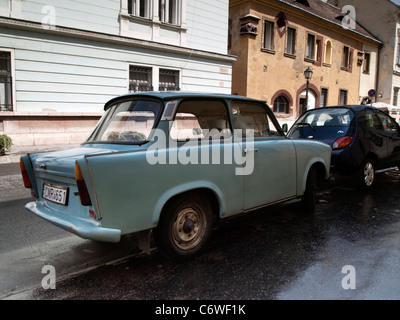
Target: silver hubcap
{"points": [[188, 229], [369, 174]]}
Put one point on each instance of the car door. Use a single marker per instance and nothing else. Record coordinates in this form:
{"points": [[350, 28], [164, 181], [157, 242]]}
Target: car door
{"points": [[391, 132], [269, 156]]}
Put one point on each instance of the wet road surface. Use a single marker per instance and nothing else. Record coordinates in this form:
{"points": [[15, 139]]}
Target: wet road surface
{"points": [[278, 253]]}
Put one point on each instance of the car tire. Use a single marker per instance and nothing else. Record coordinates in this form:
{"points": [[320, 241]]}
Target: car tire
{"points": [[184, 227], [365, 176], [309, 197]]}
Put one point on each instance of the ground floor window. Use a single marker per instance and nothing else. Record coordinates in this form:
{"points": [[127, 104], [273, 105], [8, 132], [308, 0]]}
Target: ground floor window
{"points": [[6, 100], [281, 105], [169, 80], [343, 97], [324, 97], [142, 78]]}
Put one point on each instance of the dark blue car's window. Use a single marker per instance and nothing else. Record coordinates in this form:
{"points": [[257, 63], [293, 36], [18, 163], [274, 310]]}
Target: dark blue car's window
{"points": [[328, 118], [324, 124], [129, 121]]}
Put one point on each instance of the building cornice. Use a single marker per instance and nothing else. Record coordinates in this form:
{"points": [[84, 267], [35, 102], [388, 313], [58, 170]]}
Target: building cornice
{"points": [[311, 17], [25, 25]]}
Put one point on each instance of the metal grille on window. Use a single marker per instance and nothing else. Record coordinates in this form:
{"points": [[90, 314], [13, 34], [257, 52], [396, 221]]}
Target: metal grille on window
{"points": [[5, 82], [140, 79], [169, 80]]}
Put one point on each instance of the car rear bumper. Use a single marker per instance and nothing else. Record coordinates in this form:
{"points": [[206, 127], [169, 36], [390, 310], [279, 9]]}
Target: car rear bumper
{"points": [[81, 228]]}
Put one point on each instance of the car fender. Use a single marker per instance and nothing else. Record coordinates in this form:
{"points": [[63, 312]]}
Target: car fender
{"points": [[180, 189], [308, 154]]}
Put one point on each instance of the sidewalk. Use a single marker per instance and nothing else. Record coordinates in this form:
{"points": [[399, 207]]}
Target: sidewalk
{"points": [[17, 152]]}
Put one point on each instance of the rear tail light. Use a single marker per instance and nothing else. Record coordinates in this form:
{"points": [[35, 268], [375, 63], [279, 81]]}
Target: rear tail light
{"points": [[342, 142], [83, 191], [25, 176]]}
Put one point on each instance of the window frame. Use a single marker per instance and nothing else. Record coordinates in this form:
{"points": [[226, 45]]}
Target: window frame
{"points": [[276, 109], [134, 8], [347, 59], [168, 15], [222, 138], [345, 92], [11, 76], [327, 61], [154, 80], [292, 45], [310, 56], [324, 97], [398, 48], [367, 62], [271, 49]]}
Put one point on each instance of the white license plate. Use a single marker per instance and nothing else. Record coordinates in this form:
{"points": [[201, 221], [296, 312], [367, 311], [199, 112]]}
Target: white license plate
{"points": [[55, 194]]}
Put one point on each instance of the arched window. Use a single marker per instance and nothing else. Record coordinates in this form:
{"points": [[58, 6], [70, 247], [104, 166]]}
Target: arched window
{"points": [[328, 53], [281, 105]]}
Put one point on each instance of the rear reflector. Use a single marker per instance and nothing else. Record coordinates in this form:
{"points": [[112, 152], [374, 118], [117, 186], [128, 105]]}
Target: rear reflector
{"points": [[25, 176], [342, 142], [81, 184]]}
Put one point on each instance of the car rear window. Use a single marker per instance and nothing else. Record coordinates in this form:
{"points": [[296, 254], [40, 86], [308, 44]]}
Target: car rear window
{"points": [[129, 121], [328, 118]]}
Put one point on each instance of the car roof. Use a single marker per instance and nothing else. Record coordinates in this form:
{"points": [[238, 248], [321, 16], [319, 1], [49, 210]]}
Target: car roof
{"points": [[355, 108], [173, 95]]}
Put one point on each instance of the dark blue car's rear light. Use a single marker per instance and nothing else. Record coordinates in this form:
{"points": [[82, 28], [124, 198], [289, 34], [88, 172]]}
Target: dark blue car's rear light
{"points": [[342, 142]]}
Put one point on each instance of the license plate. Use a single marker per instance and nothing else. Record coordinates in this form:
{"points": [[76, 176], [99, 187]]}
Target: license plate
{"points": [[55, 194]]}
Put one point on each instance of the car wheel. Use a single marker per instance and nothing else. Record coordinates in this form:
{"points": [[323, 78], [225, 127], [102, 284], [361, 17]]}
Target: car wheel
{"points": [[184, 227], [366, 175], [309, 197]]}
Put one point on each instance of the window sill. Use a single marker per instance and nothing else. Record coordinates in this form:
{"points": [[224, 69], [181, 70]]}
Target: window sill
{"points": [[290, 55], [150, 21], [327, 65], [268, 51], [309, 60]]}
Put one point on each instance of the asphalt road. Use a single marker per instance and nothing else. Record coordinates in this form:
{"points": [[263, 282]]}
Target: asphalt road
{"points": [[279, 253]]}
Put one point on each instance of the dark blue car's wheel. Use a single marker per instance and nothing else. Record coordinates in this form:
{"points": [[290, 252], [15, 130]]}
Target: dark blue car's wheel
{"points": [[365, 177]]}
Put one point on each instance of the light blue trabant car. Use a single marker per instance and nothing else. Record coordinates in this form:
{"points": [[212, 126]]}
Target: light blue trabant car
{"points": [[170, 165]]}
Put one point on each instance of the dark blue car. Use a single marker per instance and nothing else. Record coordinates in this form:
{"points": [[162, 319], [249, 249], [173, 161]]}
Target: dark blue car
{"points": [[363, 139]]}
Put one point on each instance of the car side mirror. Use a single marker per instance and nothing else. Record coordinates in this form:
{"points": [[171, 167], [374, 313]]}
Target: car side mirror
{"points": [[285, 128]]}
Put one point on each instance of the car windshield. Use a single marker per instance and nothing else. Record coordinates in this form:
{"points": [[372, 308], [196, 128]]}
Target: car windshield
{"points": [[127, 122], [334, 117]]}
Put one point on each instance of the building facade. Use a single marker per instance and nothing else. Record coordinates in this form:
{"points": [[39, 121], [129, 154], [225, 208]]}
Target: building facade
{"points": [[60, 63], [277, 40], [382, 18]]}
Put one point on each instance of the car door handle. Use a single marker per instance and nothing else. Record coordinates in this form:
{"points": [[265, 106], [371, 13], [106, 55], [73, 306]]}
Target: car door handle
{"points": [[250, 150]]}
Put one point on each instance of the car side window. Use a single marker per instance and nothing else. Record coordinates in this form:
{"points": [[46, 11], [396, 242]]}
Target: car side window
{"points": [[201, 119], [253, 116], [373, 121], [389, 124]]}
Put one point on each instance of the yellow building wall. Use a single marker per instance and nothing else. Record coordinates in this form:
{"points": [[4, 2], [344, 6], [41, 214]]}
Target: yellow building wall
{"points": [[262, 74]]}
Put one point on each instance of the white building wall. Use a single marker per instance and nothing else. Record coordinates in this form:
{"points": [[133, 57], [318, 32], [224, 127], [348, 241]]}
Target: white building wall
{"points": [[71, 75], [207, 23]]}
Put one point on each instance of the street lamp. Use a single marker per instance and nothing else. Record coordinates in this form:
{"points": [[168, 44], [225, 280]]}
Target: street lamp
{"points": [[308, 75]]}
